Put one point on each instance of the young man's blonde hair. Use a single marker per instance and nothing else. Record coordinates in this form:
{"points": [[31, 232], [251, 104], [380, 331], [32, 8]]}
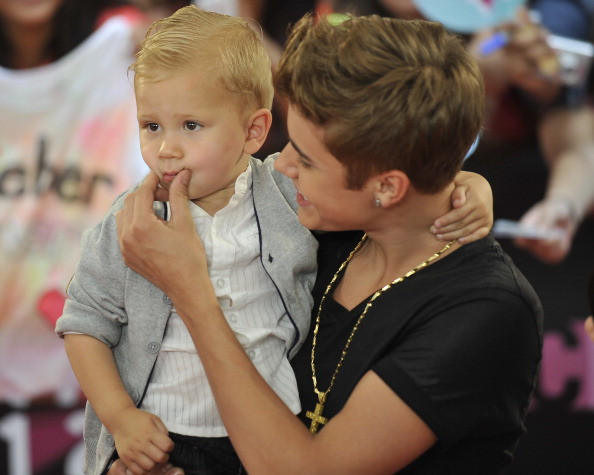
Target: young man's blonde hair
{"points": [[222, 46], [389, 94]]}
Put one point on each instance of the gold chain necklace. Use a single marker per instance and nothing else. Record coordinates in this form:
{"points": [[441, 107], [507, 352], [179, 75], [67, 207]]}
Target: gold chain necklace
{"points": [[316, 416]]}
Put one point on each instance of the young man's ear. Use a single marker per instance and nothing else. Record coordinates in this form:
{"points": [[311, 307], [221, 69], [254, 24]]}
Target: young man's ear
{"points": [[258, 125], [391, 187]]}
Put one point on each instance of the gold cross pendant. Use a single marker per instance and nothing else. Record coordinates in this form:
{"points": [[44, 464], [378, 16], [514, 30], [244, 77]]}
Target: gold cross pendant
{"points": [[316, 418]]}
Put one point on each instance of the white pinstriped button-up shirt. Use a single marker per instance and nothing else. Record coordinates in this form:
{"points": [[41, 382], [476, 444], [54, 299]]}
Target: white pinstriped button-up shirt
{"points": [[178, 391]]}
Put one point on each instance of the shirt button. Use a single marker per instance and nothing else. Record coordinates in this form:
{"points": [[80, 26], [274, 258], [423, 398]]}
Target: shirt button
{"points": [[251, 354], [109, 440], [166, 299], [233, 318], [153, 347], [220, 283], [134, 396]]}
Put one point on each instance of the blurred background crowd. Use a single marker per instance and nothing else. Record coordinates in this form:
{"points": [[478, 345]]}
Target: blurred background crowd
{"points": [[69, 146]]}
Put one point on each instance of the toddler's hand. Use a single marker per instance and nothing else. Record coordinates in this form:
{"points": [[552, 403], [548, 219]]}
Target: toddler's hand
{"points": [[142, 440], [472, 215]]}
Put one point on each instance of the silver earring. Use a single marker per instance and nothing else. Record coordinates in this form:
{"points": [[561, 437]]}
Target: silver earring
{"points": [[378, 202]]}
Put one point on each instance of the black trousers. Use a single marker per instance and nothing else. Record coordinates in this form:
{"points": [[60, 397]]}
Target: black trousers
{"points": [[205, 455]]}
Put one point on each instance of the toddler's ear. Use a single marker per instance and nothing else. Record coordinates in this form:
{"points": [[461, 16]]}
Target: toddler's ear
{"points": [[258, 125]]}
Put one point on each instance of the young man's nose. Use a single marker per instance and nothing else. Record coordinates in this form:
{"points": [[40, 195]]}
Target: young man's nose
{"points": [[285, 162]]}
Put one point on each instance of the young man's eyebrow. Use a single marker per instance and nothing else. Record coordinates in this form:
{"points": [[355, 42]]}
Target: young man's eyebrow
{"points": [[299, 151]]}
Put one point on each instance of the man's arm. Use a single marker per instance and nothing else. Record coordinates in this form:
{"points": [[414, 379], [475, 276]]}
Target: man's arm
{"points": [[266, 435]]}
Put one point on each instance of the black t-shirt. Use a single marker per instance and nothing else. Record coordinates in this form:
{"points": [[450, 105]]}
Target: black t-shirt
{"points": [[460, 342]]}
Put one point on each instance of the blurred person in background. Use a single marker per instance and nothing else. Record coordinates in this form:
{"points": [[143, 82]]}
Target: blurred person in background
{"points": [[68, 146], [533, 110]]}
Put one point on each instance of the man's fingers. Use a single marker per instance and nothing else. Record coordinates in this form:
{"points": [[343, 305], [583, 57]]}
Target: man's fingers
{"points": [[161, 194], [166, 469], [138, 207], [174, 471], [179, 186], [138, 468], [149, 190], [151, 184], [117, 468], [145, 193], [178, 198]]}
